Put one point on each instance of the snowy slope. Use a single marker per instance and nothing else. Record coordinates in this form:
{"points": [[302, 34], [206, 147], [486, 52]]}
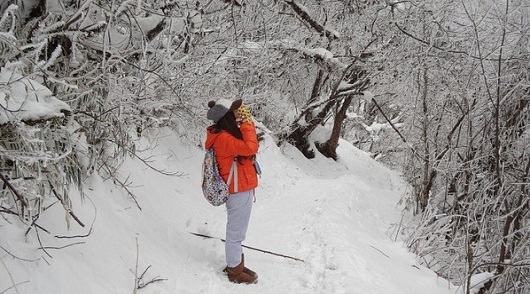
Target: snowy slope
{"points": [[339, 217]]}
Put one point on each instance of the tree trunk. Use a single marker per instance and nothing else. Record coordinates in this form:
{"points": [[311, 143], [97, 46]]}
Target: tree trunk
{"points": [[299, 136], [425, 191], [329, 148]]}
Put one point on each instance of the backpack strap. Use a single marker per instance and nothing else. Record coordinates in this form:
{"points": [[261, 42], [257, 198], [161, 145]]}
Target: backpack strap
{"points": [[233, 172]]}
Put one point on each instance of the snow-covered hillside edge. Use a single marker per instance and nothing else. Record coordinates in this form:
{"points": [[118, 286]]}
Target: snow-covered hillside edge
{"points": [[341, 218]]}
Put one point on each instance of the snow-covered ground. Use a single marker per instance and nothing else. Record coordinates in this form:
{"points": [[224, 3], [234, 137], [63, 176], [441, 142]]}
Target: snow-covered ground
{"points": [[341, 218]]}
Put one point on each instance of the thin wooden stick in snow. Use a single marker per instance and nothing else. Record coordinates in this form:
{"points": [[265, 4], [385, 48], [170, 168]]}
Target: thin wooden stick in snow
{"points": [[251, 248]]}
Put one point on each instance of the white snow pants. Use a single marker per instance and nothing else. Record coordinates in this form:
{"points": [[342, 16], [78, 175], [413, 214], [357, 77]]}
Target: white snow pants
{"points": [[238, 206]]}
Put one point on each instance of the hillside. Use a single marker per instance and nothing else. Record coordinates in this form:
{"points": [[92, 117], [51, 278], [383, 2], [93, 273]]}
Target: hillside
{"points": [[341, 218]]}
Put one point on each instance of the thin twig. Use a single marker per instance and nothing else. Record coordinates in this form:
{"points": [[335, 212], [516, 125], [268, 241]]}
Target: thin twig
{"points": [[34, 224], [163, 172], [390, 122], [62, 247], [91, 225], [65, 206], [8, 211], [302, 13], [399, 227], [75, 236], [143, 285], [16, 257], [432, 45], [124, 186], [19, 197], [150, 282], [14, 285], [380, 251], [40, 242], [251, 248], [143, 273], [136, 279]]}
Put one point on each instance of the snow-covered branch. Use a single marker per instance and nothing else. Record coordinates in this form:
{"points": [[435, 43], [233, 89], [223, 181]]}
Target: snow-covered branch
{"points": [[303, 13], [320, 55]]}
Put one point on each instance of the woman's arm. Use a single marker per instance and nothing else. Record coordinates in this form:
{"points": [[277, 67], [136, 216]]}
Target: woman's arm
{"points": [[246, 147]]}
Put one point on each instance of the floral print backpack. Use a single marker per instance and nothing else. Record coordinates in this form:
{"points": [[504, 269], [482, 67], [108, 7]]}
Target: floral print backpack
{"points": [[214, 188]]}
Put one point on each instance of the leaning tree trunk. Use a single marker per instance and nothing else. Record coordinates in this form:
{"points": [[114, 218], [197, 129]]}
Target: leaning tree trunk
{"points": [[329, 148], [358, 82], [299, 136], [300, 131]]}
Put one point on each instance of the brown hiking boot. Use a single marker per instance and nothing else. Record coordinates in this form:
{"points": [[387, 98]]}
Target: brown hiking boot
{"points": [[245, 269], [239, 276]]}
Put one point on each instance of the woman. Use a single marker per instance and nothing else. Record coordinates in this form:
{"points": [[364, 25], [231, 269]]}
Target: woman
{"points": [[233, 137]]}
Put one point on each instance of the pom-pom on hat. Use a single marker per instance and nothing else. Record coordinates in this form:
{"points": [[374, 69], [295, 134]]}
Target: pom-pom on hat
{"points": [[219, 108]]}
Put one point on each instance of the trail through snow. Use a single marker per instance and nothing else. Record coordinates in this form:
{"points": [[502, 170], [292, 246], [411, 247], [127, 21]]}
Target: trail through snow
{"points": [[341, 218]]}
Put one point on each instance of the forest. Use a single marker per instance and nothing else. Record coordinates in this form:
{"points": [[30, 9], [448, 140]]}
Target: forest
{"points": [[437, 89]]}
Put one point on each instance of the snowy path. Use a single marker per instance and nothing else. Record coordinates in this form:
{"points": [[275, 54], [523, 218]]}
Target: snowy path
{"points": [[337, 217]]}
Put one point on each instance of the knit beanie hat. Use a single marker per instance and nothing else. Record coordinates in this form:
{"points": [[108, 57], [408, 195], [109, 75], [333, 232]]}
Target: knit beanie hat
{"points": [[219, 108]]}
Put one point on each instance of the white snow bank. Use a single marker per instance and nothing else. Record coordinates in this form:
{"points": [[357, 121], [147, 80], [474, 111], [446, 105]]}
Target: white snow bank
{"points": [[336, 216], [23, 99]]}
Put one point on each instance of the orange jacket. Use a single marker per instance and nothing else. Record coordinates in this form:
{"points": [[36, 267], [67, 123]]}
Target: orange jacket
{"points": [[227, 147]]}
